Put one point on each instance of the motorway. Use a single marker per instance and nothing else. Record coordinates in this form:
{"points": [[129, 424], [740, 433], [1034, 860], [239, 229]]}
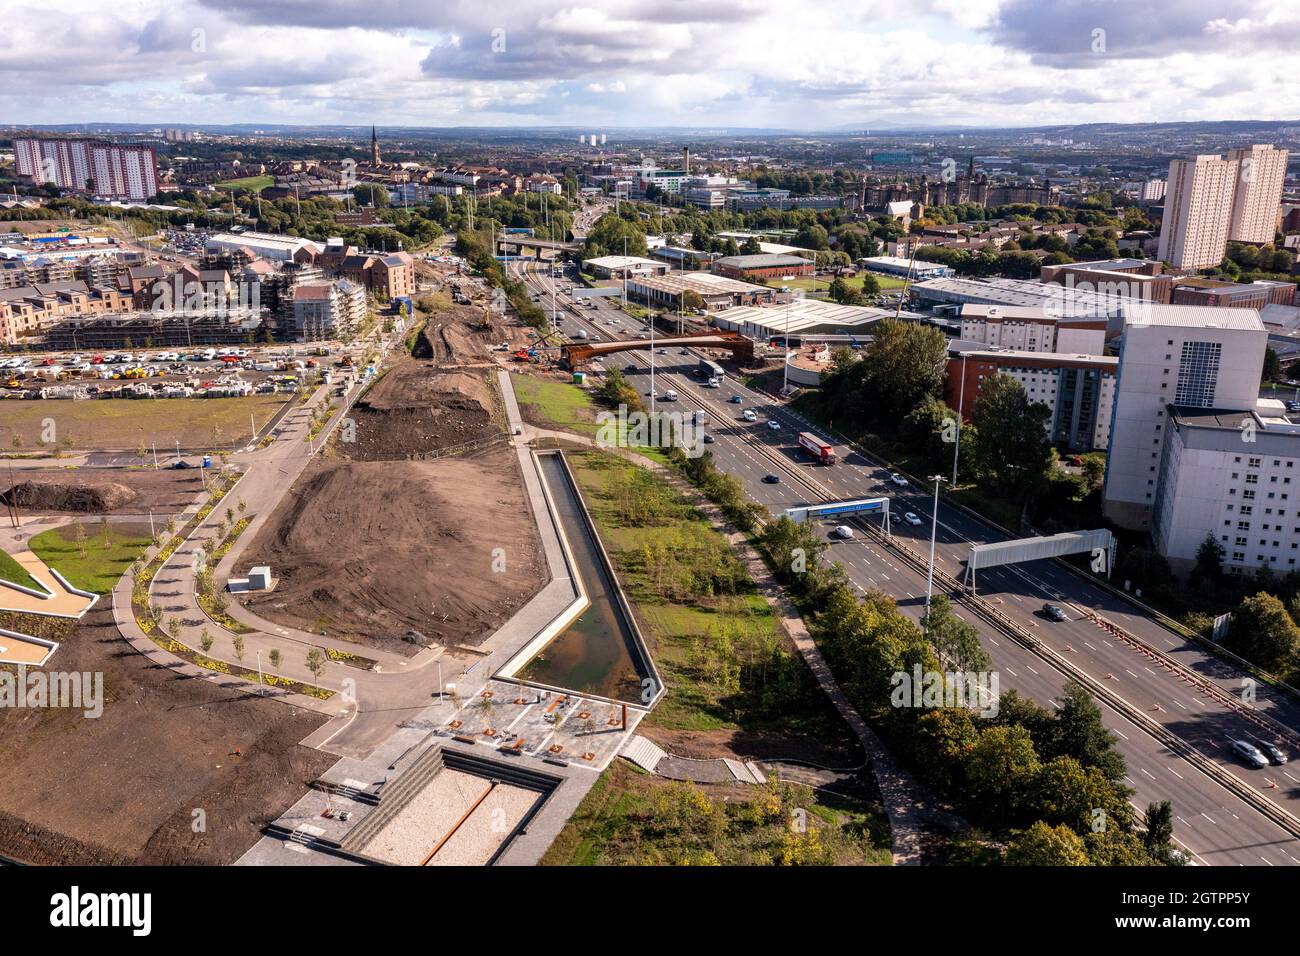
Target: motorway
{"points": [[1215, 824]]}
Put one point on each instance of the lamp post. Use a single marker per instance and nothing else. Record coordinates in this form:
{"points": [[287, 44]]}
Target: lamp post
{"points": [[785, 361], [934, 526]]}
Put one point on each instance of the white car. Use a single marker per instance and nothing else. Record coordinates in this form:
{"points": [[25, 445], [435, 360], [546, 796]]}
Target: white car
{"points": [[911, 518], [749, 415], [843, 532], [897, 479], [774, 425]]}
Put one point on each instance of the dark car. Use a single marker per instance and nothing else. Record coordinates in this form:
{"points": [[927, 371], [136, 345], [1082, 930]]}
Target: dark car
{"points": [[180, 463], [1273, 752], [735, 399], [1054, 612], [772, 479], [629, 368], [708, 439]]}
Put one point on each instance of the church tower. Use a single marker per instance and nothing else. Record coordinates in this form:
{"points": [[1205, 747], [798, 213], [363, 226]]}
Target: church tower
{"points": [[374, 146]]}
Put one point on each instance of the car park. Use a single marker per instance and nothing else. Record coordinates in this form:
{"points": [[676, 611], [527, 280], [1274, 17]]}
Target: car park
{"points": [[1249, 754]]}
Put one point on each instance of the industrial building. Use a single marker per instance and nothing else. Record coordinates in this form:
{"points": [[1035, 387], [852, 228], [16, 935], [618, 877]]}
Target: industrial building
{"points": [[263, 244], [616, 267], [896, 266], [763, 266], [717, 292], [802, 319]]}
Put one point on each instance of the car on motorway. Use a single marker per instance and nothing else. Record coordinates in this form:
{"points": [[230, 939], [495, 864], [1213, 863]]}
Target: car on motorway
{"points": [[773, 424], [749, 415], [1274, 753], [662, 351], [708, 439], [1249, 753], [771, 479], [843, 532], [1054, 612], [897, 479], [735, 400], [629, 367], [683, 351], [911, 518], [1293, 406]]}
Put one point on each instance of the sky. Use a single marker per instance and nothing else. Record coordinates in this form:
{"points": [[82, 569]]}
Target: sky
{"points": [[595, 64]]}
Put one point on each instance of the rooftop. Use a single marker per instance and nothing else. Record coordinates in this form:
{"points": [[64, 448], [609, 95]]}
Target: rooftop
{"points": [[762, 261]]}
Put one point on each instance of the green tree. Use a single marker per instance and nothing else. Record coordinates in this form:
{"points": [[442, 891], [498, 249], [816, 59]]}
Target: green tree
{"points": [[956, 640], [1079, 733], [315, 662], [1272, 371], [1013, 451], [905, 362], [1209, 561], [1263, 632], [1000, 768], [1044, 845]]}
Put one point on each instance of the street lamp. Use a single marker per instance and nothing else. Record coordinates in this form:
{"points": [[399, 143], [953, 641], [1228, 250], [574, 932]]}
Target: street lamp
{"points": [[785, 362], [934, 526]]}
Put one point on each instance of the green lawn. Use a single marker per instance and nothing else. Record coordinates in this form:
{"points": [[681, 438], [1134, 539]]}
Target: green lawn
{"points": [[108, 550], [254, 183], [566, 406], [14, 573]]}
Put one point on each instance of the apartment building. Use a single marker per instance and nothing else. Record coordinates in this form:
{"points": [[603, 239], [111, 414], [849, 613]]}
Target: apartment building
{"points": [[89, 166], [1191, 356], [1198, 210], [327, 310], [1032, 329], [1233, 475], [1079, 389], [1258, 194]]}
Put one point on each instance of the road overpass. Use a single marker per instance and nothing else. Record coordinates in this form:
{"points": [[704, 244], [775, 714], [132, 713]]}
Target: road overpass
{"points": [[741, 348], [558, 250]]}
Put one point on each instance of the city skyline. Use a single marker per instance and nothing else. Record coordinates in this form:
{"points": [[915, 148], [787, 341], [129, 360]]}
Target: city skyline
{"points": [[924, 62]]}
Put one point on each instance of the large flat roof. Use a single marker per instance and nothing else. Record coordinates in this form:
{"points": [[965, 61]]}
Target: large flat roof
{"points": [[803, 315], [1199, 317]]}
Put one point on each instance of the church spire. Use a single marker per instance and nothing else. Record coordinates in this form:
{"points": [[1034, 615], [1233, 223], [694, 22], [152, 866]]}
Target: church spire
{"points": [[374, 146]]}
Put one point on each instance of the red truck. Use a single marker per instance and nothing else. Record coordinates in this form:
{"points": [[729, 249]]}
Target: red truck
{"points": [[823, 451]]}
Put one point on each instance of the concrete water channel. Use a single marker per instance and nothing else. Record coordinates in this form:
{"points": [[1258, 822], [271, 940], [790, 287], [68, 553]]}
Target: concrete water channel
{"points": [[601, 652]]}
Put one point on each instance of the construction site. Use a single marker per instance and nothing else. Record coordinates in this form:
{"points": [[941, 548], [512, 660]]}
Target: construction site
{"points": [[441, 544]]}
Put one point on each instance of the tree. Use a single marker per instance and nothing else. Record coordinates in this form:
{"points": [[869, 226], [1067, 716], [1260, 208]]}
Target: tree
{"points": [[955, 639], [843, 293], [315, 662], [1263, 632], [1209, 561], [1272, 370], [905, 362], [1159, 836], [1044, 845], [1001, 766], [1079, 733], [238, 642], [205, 640], [1013, 451], [274, 657]]}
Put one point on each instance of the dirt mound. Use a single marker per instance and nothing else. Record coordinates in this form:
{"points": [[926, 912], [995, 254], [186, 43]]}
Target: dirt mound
{"points": [[460, 335], [423, 562], [415, 411], [95, 497]]}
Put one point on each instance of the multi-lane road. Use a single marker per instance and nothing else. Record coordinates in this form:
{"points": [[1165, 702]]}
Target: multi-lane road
{"points": [[1175, 683]]}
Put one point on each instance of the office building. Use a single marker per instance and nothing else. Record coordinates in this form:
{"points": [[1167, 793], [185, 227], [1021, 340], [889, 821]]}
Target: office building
{"points": [[1190, 356]]}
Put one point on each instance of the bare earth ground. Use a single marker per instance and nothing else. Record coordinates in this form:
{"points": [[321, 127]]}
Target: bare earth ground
{"points": [[370, 550], [122, 788], [164, 490], [374, 543]]}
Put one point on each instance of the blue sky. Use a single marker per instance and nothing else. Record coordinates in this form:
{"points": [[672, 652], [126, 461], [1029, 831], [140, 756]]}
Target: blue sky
{"points": [[617, 63]]}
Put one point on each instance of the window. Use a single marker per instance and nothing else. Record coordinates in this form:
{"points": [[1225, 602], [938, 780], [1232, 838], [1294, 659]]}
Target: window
{"points": [[1198, 373]]}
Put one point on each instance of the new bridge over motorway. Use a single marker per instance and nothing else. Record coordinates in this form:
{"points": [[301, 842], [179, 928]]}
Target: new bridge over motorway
{"points": [[742, 348]]}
